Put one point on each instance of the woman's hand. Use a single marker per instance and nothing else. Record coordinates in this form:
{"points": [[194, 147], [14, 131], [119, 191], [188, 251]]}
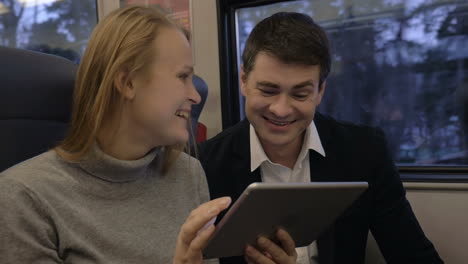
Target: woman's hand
{"points": [[270, 253], [197, 229]]}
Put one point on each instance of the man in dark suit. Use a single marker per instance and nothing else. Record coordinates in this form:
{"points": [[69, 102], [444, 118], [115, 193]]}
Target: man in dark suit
{"points": [[285, 65]]}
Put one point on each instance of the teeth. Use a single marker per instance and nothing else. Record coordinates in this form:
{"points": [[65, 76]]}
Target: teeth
{"points": [[182, 114], [280, 123]]}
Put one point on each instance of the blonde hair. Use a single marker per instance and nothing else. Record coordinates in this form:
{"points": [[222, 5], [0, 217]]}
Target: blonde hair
{"points": [[122, 42]]}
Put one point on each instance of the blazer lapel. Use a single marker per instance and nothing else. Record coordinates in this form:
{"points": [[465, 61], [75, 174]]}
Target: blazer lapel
{"points": [[322, 169], [242, 174]]}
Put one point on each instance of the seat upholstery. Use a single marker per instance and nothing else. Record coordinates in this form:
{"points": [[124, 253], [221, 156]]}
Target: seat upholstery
{"points": [[35, 103], [202, 89]]}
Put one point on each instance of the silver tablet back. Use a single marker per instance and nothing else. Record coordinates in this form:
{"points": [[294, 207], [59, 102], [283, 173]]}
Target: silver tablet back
{"points": [[302, 209]]}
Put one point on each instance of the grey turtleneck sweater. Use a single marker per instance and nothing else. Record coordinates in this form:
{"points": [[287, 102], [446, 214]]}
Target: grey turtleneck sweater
{"points": [[101, 210]]}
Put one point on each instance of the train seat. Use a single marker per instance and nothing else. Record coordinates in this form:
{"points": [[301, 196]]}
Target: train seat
{"points": [[35, 103]]}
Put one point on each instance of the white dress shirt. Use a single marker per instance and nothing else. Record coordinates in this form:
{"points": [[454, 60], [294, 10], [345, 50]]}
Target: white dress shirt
{"points": [[274, 172]]}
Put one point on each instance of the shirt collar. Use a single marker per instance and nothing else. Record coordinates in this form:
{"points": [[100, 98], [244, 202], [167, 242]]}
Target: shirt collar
{"points": [[258, 156]]}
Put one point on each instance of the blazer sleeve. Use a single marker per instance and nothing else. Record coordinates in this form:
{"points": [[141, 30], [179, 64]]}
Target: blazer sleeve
{"points": [[393, 223]]}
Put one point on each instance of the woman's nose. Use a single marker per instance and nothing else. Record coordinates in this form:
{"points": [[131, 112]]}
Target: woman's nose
{"points": [[194, 96]]}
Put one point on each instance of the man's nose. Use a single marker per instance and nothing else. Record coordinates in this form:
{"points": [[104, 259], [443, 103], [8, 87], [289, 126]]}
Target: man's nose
{"points": [[281, 106]]}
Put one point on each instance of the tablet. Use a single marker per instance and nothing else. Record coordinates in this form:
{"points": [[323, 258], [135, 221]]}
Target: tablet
{"points": [[302, 209]]}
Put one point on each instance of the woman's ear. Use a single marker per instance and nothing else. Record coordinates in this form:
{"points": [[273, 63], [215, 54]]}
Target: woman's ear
{"points": [[125, 85]]}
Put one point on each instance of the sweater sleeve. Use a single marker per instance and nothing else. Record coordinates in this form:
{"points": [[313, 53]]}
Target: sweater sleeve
{"points": [[202, 184], [204, 197], [26, 231]]}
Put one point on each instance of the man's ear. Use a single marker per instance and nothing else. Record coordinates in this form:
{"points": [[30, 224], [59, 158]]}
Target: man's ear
{"points": [[321, 91], [125, 85], [243, 79]]}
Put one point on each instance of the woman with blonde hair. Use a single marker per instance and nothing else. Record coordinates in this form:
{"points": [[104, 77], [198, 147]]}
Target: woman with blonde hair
{"points": [[117, 189]]}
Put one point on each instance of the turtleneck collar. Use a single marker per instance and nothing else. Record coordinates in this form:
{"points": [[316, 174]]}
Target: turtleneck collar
{"points": [[108, 168]]}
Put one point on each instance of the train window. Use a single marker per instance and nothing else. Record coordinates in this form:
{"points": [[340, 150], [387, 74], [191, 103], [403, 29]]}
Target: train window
{"points": [[59, 27], [401, 65], [178, 10]]}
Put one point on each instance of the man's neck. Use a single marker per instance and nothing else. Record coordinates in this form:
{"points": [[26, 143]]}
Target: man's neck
{"points": [[285, 155]]}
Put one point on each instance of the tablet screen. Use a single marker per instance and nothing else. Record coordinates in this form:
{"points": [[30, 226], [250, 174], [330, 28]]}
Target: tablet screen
{"points": [[302, 209]]}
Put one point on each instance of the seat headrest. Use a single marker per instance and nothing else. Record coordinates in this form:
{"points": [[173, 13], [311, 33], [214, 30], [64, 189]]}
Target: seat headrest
{"points": [[35, 85]]}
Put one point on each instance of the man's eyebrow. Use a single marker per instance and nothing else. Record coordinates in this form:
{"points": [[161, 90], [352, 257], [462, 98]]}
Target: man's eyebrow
{"points": [[268, 84], [304, 84]]}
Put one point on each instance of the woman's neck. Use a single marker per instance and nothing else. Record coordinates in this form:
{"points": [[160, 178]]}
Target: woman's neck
{"points": [[116, 139]]}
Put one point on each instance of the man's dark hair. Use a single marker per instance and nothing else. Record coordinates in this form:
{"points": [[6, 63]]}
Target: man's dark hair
{"points": [[293, 38]]}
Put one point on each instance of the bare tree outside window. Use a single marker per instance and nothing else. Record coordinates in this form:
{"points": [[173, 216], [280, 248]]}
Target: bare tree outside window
{"points": [[401, 65], [59, 27]]}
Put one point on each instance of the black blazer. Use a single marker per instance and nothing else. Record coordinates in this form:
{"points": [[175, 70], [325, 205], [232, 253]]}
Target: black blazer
{"points": [[353, 153]]}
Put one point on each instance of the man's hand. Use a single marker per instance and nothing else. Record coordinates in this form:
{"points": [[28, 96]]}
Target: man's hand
{"points": [[196, 231], [270, 253]]}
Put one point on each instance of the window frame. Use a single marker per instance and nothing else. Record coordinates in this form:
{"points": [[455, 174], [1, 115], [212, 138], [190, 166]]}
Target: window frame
{"points": [[230, 105]]}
